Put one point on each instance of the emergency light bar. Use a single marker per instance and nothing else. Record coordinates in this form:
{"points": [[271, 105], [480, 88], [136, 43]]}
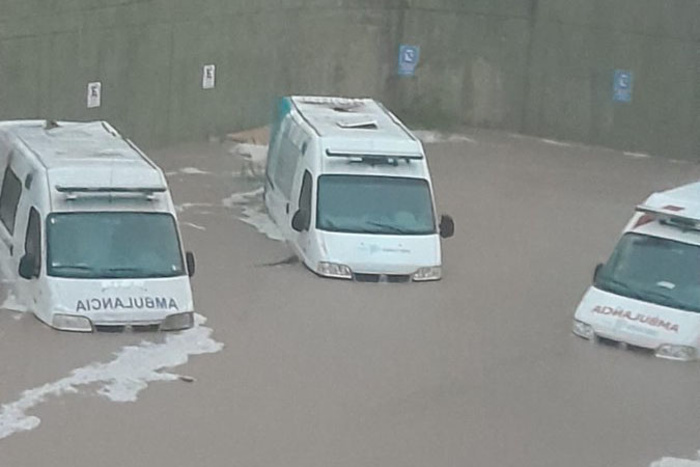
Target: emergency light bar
{"points": [[362, 154], [671, 215], [116, 189], [73, 191]]}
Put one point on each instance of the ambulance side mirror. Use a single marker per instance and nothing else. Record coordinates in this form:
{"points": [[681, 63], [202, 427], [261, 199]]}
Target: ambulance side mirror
{"points": [[28, 267], [300, 221], [447, 226], [189, 259], [596, 272]]}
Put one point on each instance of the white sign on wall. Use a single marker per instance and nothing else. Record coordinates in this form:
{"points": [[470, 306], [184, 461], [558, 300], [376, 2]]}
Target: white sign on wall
{"points": [[208, 76], [94, 95]]}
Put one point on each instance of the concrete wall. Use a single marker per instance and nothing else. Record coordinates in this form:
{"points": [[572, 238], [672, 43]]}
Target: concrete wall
{"points": [[473, 63], [538, 66], [577, 46], [149, 54]]}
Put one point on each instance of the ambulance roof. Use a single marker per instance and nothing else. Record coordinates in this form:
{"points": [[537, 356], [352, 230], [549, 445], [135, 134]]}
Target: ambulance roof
{"points": [[673, 214], [357, 125], [90, 155], [683, 201]]}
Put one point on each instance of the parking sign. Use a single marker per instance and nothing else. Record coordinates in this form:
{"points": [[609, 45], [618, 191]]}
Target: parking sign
{"points": [[408, 59], [623, 81]]}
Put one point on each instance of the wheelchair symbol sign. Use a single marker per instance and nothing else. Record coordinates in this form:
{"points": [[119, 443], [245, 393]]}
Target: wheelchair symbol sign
{"points": [[408, 59], [622, 88]]}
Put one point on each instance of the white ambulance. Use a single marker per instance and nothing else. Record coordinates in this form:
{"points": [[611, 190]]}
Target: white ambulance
{"points": [[349, 186], [88, 234], [647, 295]]}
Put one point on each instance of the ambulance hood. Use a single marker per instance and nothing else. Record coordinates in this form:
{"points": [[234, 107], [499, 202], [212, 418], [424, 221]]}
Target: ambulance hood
{"points": [[121, 300], [380, 254], [637, 322]]}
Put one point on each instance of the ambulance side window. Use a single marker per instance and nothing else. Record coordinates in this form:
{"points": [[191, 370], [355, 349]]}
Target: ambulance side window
{"points": [[32, 242], [9, 198], [305, 197], [286, 165]]}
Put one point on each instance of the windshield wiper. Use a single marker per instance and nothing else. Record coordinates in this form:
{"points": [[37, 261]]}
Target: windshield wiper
{"points": [[625, 289], [140, 272], [390, 227], [666, 300], [620, 287], [79, 267]]}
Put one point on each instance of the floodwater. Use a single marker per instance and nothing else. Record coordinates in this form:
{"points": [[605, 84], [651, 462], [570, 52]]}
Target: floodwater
{"points": [[479, 369]]}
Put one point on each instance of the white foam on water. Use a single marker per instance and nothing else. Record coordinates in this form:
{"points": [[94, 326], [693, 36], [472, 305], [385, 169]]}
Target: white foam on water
{"points": [[193, 171], [674, 462], [637, 155], [247, 197], [460, 138], [13, 304], [556, 143], [184, 206], [437, 137], [255, 152], [253, 212], [120, 380], [194, 226], [259, 219], [254, 158]]}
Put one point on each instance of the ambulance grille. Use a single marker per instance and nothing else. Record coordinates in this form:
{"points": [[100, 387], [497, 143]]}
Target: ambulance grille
{"points": [[114, 328], [391, 278], [109, 328], [623, 345]]}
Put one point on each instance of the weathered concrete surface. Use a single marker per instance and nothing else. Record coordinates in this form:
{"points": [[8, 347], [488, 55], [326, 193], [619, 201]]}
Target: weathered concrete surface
{"points": [[576, 47], [478, 369], [542, 67]]}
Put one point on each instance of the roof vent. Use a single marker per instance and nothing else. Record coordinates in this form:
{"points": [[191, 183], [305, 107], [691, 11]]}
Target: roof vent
{"points": [[358, 125], [51, 124]]}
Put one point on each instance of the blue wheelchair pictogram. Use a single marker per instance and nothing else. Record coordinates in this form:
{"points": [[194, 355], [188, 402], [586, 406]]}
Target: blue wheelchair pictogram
{"points": [[622, 86], [408, 59]]}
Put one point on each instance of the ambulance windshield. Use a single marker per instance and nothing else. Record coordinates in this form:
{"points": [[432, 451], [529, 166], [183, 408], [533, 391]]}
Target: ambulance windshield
{"points": [[113, 245], [655, 270], [375, 205]]}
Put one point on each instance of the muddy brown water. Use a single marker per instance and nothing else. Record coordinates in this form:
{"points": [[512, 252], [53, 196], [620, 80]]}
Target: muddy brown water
{"points": [[478, 369]]}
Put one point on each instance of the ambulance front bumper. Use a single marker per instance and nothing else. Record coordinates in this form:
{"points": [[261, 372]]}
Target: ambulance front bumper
{"points": [[80, 323], [669, 351]]}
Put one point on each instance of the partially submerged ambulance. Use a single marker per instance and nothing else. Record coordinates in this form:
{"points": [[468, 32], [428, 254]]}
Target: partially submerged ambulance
{"points": [[648, 293], [349, 186], [89, 239]]}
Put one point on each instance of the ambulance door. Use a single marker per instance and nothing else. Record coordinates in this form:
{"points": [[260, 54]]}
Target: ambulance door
{"points": [[304, 214], [30, 269]]}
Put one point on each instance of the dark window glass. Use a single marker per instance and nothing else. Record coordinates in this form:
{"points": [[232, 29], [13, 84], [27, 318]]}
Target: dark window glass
{"points": [[113, 245], [32, 241], [305, 197], [374, 205], [9, 198], [655, 270]]}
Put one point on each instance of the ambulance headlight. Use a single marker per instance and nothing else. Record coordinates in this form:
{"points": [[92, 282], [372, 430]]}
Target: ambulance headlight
{"points": [[339, 271], [178, 321], [676, 352], [582, 329], [75, 323], [428, 274]]}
